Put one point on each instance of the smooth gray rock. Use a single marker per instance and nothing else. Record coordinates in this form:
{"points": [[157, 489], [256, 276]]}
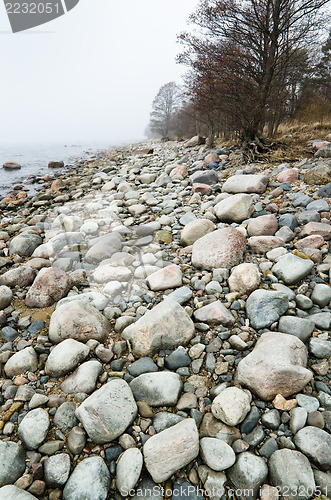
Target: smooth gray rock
{"points": [[171, 449], [308, 402], [164, 419], [12, 462], [108, 411], [89, 481], [157, 389], [57, 470], [181, 295], [264, 307], [271, 419], [217, 454], [142, 365], [24, 244], [65, 356], [165, 326], [248, 473], [320, 348], [277, 365], [84, 379], [76, 440], [65, 418], [235, 208], [290, 471], [291, 268], [298, 419], [300, 327], [321, 294], [316, 444], [246, 183], [34, 428], [6, 296], [21, 362], [128, 470], [231, 406], [11, 492], [104, 248]]}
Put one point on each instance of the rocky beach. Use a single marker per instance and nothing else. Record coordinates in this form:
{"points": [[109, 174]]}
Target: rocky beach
{"points": [[165, 327]]}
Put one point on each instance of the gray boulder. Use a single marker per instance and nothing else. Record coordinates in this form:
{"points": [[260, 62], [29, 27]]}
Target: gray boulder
{"points": [[166, 326], [291, 268], [316, 444], [290, 471], [264, 307], [89, 481], [108, 411], [277, 365], [21, 362], [248, 474], [84, 379], [24, 244], [171, 449], [12, 462], [223, 248], [34, 428], [12, 492], [300, 327], [65, 357], [157, 389]]}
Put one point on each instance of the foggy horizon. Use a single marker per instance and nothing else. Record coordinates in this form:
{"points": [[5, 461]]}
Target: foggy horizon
{"points": [[91, 75]]}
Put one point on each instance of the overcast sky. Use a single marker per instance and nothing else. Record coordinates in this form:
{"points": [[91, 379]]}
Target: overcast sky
{"points": [[90, 75]]}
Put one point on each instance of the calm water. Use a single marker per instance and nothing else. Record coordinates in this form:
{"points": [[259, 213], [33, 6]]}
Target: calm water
{"points": [[34, 160]]}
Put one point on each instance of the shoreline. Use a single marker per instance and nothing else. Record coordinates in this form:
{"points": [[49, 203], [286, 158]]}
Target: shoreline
{"points": [[175, 295]]}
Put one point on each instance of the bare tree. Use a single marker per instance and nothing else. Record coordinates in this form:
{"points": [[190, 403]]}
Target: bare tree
{"points": [[260, 39], [165, 106]]}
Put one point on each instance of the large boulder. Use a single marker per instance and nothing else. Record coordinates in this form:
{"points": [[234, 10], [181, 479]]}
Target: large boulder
{"points": [[171, 449], [108, 411], [165, 326], [264, 307], [221, 248], [277, 365], [246, 184], [12, 462], [79, 321], [50, 285], [235, 208]]}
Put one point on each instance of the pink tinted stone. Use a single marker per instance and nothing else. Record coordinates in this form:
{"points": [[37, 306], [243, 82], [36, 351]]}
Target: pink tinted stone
{"points": [[50, 285], [215, 313], [212, 157], [290, 175], [202, 188], [320, 228], [221, 248], [313, 241], [266, 225], [168, 277]]}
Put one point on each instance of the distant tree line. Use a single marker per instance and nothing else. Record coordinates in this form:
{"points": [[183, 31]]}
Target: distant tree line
{"points": [[251, 65]]}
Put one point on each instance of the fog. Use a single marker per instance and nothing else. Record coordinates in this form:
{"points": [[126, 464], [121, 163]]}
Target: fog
{"points": [[91, 75]]}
